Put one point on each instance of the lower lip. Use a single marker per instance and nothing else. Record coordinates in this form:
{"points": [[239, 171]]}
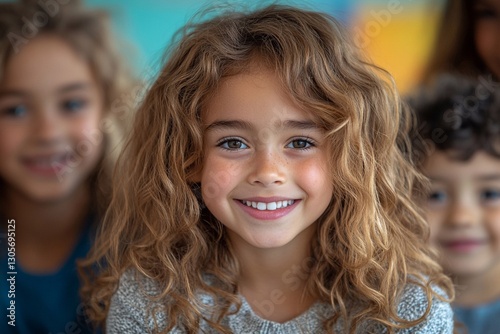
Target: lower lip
{"points": [[51, 170], [463, 246], [267, 214]]}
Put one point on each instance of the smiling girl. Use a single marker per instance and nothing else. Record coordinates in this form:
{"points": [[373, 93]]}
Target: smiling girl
{"points": [[262, 191]]}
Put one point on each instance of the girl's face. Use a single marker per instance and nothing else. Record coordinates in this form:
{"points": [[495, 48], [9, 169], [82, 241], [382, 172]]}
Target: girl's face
{"points": [[50, 109], [487, 33], [265, 174], [464, 213]]}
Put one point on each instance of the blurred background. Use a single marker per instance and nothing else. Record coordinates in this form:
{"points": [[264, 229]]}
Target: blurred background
{"points": [[396, 34]]}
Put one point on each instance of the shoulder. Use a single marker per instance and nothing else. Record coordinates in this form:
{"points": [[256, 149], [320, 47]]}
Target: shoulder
{"points": [[133, 283], [413, 304], [483, 318], [128, 311], [132, 310]]}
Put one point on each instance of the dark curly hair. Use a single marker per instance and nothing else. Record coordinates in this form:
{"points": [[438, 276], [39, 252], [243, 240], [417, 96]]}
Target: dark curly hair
{"points": [[458, 115]]}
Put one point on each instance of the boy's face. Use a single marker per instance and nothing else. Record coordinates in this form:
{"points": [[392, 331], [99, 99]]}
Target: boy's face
{"points": [[463, 210]]}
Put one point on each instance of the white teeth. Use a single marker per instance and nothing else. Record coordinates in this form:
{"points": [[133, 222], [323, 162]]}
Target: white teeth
{"points": [[45, 162], [271, 206]]}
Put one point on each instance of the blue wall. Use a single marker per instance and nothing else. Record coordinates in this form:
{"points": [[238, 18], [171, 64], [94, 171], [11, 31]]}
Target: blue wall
{"points": [[150, 24]]}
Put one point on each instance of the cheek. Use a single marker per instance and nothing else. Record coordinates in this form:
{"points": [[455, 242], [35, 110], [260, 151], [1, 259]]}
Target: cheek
{"points": [[493, 221], [314, 177], [218, 177], [11, 139], [485, 40], [435, 222], [87, 135]]}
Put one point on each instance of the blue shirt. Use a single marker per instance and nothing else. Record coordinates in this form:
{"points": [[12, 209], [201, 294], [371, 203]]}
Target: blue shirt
{"points": [[45, 304], [482, 319]]}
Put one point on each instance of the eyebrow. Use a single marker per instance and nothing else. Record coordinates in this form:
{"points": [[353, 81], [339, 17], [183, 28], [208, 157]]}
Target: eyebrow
{"points": [[64, 89], [73, 86], [243, 125], [488, 177], [12, 92], [484, 177]]}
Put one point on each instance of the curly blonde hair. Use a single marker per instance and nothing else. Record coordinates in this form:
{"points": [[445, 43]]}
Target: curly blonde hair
{"points": [[88, 32], [157, 225]]}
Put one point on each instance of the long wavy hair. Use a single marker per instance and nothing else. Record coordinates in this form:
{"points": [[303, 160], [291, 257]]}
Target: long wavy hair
{"points": [[454, 48], [157, 225], [88, 32]]}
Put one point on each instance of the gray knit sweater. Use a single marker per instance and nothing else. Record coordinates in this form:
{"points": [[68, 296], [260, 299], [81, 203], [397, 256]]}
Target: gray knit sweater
{"points": [[128, 315]]}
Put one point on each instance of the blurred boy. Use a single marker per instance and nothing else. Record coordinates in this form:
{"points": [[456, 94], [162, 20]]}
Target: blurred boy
{"points": [[458, 148]]}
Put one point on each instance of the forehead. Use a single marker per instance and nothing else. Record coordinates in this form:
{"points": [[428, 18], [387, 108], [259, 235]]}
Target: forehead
{"points": [[256, 95], [44, 63], [439, 165]]}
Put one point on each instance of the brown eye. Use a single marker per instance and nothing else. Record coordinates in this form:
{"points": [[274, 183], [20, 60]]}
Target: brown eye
{"points": [[232, 144], [300, 144]]}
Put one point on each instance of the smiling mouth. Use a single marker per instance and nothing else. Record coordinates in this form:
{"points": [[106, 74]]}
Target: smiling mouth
{"points": [[270, 206], [463, 245], [47, 165]]}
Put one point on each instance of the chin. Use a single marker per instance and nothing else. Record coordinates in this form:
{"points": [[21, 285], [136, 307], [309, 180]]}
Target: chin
{"points": [[50, 195], [267, 243]]}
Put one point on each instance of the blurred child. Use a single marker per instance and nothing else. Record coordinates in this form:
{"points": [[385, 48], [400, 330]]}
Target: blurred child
{"points": [[459, 150], [262, 191], [64, 96], [468, 39]]}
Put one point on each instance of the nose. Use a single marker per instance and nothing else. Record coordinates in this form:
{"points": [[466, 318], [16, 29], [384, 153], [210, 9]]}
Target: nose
{"points": [[267, 169], [464, 213], [47, 126]]}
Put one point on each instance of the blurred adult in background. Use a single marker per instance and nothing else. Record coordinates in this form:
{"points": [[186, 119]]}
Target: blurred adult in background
{"points": [[468, 40]]}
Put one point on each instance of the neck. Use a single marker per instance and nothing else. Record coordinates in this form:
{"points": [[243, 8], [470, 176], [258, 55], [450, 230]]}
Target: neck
{"points": [[274, 281], [46, 233], [478, 289]]}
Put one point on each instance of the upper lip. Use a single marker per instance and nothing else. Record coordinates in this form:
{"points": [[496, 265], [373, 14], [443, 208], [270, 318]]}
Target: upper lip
{"points": [[462, 241], [46, 157], [267, 199]]}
